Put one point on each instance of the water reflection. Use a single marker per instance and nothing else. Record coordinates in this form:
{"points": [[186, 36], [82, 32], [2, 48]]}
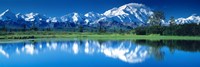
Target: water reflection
{"points": [[4, 53], [130, 51]]}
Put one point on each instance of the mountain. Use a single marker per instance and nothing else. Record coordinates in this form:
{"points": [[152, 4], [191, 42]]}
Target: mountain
{"points": [[53, 19], [36, 20], [36, 17], [11, 20], [8, 16], [132, 14], [72, 17], [91, 17], [129, 13], [124, 17], [190, 19]]}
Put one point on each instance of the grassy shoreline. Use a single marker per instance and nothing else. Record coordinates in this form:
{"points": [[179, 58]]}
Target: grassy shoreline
{"points": [[100, 36]]}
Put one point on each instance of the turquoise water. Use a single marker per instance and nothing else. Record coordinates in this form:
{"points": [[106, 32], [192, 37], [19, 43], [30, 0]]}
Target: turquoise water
{"points": [[99, 53]]}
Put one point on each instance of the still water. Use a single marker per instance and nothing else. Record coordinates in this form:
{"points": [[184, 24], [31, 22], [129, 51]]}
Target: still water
{"points": [[100, 53]]}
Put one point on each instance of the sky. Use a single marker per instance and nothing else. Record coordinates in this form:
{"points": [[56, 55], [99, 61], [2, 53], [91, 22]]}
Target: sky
{"points": [[57, 8]]}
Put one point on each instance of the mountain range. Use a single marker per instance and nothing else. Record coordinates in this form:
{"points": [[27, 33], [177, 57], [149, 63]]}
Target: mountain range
{"points": [[126, 16]]}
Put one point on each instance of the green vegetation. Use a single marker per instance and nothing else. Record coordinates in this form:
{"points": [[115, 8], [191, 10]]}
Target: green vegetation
{"points": [[156, 27], [191, 29], [60, 34]]}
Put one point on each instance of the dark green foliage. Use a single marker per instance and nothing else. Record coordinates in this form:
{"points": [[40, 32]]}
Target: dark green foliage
{"points": [[155, 30], [170, 30], [156, 18], [140, 30], [24, 27], [183, 30], [80, 28], [191, 29], [187, 29], [4, 28], [172, 21]]}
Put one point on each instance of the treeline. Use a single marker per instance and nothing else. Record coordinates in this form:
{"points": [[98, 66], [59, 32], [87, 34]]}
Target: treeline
{"points": [[191, 29], [156, 27]]}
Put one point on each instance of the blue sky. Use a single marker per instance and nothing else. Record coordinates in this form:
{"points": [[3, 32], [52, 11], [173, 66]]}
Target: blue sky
{"points": [[57, 8]]}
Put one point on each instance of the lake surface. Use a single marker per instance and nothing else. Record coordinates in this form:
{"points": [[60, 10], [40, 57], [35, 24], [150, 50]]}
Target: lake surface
{"points": [[99, 53]]}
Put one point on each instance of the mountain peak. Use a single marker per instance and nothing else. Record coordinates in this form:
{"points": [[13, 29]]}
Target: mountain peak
{"points": [[52, 19], [34, 17], [191, 19], [72, 17], [91, 14], [8, 15], [75, 13], [128, 8], [88, 14], [6, 12], [133, 5], [132, 12], [193, 16], [75, 17], [19, 15]]}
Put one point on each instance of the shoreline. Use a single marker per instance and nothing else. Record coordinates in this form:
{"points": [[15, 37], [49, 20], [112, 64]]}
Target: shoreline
{"points": [[101, 36]]}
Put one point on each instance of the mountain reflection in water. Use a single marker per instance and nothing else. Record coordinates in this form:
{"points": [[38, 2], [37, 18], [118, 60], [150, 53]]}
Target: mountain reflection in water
{"points": [[130, 51]]}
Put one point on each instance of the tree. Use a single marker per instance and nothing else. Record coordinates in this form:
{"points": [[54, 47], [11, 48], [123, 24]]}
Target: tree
{"points": [[121, 31], [156, 18], [80, 28], [101, 30], [140, 30], [33, 27], [24, 27], [155, 30], [4, 28], [172, 21]]}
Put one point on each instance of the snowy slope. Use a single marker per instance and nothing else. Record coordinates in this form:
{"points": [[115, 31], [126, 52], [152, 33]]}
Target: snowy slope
{"points": [[72, 17], [8, 15], [128, 15], [190, 19], [132, 12], [53, 19], [34, 17], [91, 17]]}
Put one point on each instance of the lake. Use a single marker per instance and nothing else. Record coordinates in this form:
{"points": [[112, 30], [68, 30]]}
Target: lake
{"points": [[99, 53]]}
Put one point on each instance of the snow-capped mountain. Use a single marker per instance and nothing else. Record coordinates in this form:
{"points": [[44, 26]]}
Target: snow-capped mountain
{"points": [[53, 19], [91, 17], [34, 17], [126, 16], [19, 16], [132, 12], [72, 17], [190, 19], [132, 15], [8, 15], [21, 21]]}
